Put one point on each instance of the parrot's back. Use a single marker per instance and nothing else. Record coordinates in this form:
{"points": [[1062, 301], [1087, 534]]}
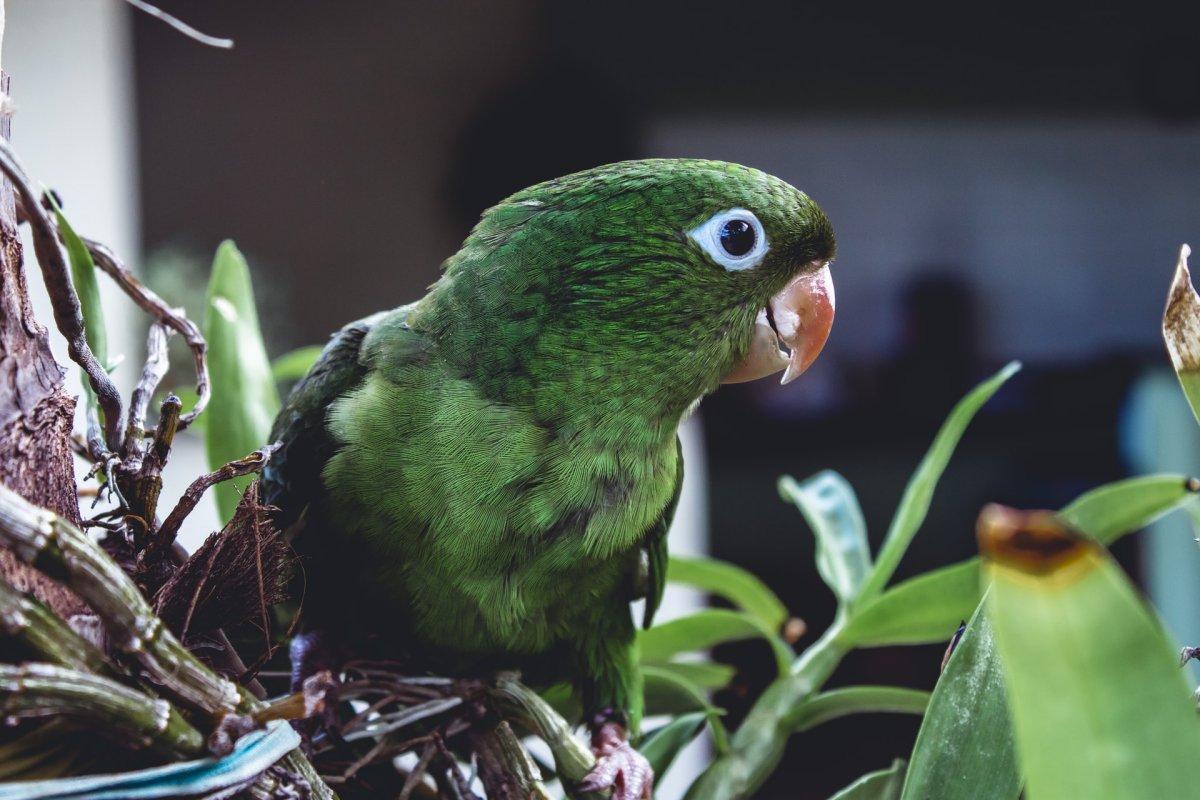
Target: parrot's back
{"points": [[291, 479]]}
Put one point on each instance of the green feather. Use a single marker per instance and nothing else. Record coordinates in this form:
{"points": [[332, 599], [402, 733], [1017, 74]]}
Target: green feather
{"points": [[483, 469]]}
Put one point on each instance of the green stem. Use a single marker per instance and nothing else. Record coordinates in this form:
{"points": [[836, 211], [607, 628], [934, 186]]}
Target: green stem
{"points": [[39, 690], [60, 550], [46, 636], [758, 745], [572, 760]]}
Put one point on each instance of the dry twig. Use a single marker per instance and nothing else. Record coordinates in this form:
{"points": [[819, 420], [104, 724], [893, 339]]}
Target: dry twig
{"points": [[46, 690], [68, 316], [254, 462], [174, 318], [181, 26]]}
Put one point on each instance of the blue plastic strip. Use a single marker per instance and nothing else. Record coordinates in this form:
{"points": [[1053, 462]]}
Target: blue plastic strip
{"points": [[252, 754]]}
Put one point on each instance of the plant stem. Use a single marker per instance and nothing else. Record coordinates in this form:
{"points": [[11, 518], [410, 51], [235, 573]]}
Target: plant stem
{"points": [[43, 633], [60, 550], [757, 746], [507, 771], [572, 760], [40, 690]]}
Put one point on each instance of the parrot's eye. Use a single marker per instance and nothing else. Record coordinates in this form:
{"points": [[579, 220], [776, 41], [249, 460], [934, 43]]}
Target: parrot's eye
{"points": [[735, 239]]}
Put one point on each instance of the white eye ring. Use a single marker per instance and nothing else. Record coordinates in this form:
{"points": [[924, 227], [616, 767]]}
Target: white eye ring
{"points": [[715, 239]]}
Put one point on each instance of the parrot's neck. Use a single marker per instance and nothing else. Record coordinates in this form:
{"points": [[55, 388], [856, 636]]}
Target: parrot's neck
{"points": [[622, 382]]}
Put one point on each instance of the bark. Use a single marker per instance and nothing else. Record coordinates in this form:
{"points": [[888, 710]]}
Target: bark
{"points": [[36, 413]]}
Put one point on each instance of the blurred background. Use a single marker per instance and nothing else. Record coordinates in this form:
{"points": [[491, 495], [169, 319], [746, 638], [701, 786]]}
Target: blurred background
{"points": [[1006, 182]]}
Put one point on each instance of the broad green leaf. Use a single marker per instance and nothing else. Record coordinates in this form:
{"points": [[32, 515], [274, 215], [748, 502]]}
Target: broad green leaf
{"points": [[1108, 512], [705, 674], [663, 745], [964, 750], [1181, 330], [914, 505], [928, 607], [882, 785], [738, 586], [705, 629], [1099, 705], [244, 398], [87, 287], [291, 367], [826, 706], [829, 506], [666, 692]]}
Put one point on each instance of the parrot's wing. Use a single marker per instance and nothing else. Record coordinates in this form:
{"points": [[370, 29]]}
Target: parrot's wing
{"points": [[656, 545], [292, 478]]}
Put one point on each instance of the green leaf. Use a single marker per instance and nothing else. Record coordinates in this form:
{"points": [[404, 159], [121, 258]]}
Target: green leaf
{"points": [[1099, 705], [821, 708], [666, 692], [964, 750], [244, 398], [914, 505], [1181, 331], [705, 629], [1108, 512], [663, 745], [928, 607], [829, 506], [291, 367], [738, 586], [705, 674], [882, 785], [87, 287]]}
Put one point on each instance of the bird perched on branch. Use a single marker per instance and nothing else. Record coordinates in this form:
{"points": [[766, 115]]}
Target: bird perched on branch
{"points": [[482, 475]]}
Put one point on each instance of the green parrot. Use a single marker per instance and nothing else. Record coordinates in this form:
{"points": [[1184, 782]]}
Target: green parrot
{"points": [[484, 478]]}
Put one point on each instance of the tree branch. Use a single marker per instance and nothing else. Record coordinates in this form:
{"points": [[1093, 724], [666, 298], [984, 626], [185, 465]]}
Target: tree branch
{"points": [[173, 318], [64, 301], [254, 462]]}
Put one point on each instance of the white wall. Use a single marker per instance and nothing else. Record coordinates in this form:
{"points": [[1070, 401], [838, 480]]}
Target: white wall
{"points": [[71, 63], [74, 129]]}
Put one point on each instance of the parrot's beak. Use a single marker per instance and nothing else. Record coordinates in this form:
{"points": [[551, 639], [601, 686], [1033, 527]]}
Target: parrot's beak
{"points": [[791, 331]]}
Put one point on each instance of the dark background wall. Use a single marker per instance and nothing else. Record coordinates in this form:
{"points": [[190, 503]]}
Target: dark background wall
{"points": [[1049, 163]]}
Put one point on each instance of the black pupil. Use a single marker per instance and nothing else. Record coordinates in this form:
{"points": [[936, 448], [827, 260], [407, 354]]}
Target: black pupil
{"points": [[737, 237]]}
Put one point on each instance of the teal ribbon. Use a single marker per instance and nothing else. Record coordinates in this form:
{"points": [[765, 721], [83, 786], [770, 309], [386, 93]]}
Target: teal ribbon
{"points": [[252, 754]]}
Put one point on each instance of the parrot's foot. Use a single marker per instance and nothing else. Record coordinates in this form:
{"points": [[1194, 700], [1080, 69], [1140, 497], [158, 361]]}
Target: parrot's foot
{"points": [[316, 662], [311, 653], [618, 765]]}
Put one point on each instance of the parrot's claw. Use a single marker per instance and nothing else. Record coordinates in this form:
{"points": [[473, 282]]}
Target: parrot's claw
{"points": [[618, 766]]}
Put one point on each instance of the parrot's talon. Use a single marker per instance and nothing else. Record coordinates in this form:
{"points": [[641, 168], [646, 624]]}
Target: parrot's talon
{"points": [[618, 766]]}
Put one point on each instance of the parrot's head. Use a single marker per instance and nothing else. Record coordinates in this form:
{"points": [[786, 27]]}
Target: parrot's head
{"points": [[651, 281]]}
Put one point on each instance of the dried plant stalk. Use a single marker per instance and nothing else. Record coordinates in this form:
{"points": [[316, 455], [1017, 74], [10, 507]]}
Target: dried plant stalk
{"points": [[46, 690], [572, 759], [507, 771], [68, 315], [174, 318], [42, 632], [60, 550]]}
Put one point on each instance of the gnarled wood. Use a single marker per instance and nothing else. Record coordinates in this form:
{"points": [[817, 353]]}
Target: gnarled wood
{"points": [[36, 413]]}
